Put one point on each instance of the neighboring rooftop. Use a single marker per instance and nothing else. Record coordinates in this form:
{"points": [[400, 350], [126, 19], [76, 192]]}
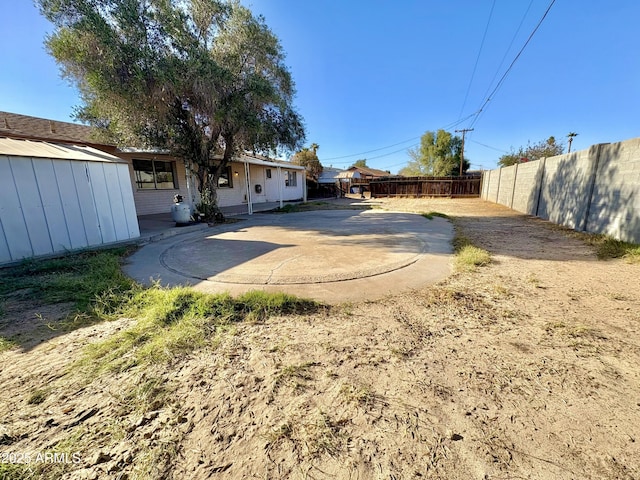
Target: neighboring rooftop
{"points": [[23, 126], [370, 172]]}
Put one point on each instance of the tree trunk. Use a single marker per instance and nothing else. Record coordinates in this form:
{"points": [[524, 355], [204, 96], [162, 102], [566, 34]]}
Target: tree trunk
{"points": [[208, 189]]}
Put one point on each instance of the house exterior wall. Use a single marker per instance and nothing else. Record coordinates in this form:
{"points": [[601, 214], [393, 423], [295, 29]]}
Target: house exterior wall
{"points": [[53, 205], [270, 187], [149, 201]]}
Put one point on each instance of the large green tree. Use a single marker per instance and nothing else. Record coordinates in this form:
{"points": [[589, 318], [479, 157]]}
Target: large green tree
{"points": [[204, 79], [544, 148], [308, 158], [438, 155]]}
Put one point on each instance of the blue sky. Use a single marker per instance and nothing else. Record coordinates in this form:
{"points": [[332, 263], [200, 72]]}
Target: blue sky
{"points": [[373, 76]]}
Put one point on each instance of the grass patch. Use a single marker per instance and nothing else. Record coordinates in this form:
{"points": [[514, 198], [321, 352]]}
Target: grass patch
{"points": [[608, 247], [431, 215], [468, 256], [301, 207], [17, 471], [77, 278], [38, 396], [359, 394], [171, 322], [6, 344], [319, 205], [294, 375]]}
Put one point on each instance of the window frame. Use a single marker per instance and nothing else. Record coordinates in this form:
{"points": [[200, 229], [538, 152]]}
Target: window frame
{"points": [[229, 177], [154, 173], [291, 174]]}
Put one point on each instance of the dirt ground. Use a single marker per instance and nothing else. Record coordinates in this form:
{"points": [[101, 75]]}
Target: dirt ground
{"points": [[527, 368]]}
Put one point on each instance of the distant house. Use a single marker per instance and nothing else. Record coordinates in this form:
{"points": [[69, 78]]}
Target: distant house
{"points": [[326, 185], [157, 176], [356, 180]]}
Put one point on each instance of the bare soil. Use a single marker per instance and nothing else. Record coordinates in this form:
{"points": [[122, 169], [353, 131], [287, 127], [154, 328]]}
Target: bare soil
{"points": [[527, 368]]}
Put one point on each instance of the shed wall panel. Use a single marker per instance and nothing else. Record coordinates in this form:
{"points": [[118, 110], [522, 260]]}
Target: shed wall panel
{"points": [[133, 230], [87, 204], [5, 253], [101, 202], [52, 205], [31, 203], [13, 224], [70, 203], [116, 204]]}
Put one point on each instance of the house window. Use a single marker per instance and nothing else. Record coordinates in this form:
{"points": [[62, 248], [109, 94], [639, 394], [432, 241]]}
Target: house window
{"points": [[226, 178], [268, 173], [155, 175], [291, 180]]}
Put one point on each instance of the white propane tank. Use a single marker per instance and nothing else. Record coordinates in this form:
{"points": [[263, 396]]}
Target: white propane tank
{"points": [[180, 211]]}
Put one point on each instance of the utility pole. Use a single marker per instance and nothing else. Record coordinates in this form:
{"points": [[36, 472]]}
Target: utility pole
{"points": [[571, 135], [463, 131]]}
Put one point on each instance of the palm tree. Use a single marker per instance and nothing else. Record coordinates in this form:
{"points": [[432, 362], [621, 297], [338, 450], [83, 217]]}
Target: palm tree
{"points": [[315, 147]]}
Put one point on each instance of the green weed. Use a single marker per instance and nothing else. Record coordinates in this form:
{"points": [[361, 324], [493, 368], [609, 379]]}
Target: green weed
{"points": [[431, 215], [468, 256]]}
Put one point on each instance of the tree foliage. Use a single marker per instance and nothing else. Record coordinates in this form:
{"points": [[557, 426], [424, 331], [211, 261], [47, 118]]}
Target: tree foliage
{"points": [[536, 151], [204, 79], [360, 163], [438, 155], [308, 158]]}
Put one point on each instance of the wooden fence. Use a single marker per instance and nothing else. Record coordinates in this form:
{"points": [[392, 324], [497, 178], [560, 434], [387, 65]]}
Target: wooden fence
{"points": [[426, 187]]}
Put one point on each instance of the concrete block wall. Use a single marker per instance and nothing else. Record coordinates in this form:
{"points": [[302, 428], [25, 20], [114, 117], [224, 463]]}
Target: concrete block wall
{"points": [[527, 187], [493, 184], [507, 183], [595, 190], [615, 199], [564, 196]]}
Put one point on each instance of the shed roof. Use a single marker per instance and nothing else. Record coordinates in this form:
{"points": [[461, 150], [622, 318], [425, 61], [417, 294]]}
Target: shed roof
{"points": [[30, 148]]}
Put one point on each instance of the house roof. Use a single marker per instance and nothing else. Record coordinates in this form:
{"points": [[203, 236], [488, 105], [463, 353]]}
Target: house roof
{"points": [[267, 162], [38, 149], [14, 125], [371, 172], [23, 126]]}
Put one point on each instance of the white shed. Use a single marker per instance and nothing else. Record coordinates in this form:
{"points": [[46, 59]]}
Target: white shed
{"points": [[57, 198]]}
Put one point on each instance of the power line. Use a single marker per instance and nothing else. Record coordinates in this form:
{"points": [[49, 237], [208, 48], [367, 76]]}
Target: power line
{"points": [[489, 146], [504, 57], [504, 76], [369, 151], [446, 127], [475, 67]]}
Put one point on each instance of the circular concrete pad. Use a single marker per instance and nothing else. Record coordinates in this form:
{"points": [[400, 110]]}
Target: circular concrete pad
{"points": [[329, 255]]}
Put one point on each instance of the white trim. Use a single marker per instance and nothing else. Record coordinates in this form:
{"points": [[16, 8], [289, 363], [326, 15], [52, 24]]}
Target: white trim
{"points": [[247, 176], [280, 184]]}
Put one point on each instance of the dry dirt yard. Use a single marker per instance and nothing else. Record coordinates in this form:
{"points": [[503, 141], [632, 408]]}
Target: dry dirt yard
{"points": [[526, 368]]}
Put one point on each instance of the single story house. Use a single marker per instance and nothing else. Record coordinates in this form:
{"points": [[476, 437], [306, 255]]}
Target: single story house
{"points": [[157, 176]]}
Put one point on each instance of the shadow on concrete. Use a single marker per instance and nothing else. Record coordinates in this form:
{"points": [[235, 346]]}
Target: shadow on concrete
{"points": [[203, 258]]}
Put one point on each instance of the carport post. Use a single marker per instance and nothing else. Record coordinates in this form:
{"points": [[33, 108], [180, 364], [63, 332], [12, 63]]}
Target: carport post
{"points": [[304, 185], [248, 180], [280, 180]]}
